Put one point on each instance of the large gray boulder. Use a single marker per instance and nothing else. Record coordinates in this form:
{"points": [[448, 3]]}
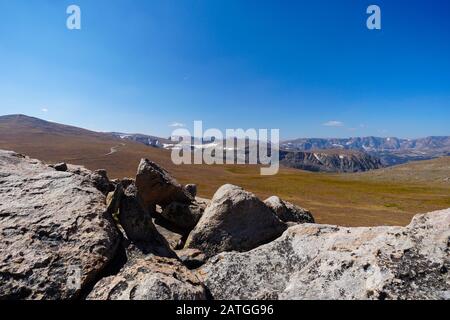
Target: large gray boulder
{"points": [[234, 220], [150, 278], [329, 262], [56, 236], [156, 186], [289, 212]]}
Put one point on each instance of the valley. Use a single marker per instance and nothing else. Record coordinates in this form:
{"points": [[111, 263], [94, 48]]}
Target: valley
{"points": [[388, 196], [390, 150]]}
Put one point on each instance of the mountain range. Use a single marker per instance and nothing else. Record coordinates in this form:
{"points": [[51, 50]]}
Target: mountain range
{"points": [[325, 160], [330, 160], [390, 150], [338, 154], [330, 155]]}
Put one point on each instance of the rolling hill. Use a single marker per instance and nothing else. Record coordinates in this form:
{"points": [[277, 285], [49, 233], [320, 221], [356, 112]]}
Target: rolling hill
{"points": [[53, 142]]}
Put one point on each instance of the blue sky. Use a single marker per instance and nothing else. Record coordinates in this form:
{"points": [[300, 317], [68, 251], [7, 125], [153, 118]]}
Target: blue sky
{"points": [[310, 68]]}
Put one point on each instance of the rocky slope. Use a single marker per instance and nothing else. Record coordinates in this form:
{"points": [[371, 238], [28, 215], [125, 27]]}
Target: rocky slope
{"points": [[391, 150], [330, 161], [69, 233]]}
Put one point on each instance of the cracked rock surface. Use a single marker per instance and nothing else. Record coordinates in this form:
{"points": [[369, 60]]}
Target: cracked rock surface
{"points": [[53, 227], [151, 278], [327, 262]]}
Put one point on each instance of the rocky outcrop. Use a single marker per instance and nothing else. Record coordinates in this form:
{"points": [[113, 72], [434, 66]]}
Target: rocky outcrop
{"points": [[157, 187], [101, 181], [99, 178], [151, 278], [328, 262], [234, 220], [288, 212], [56, 235], [138, 225], [74, 234]]}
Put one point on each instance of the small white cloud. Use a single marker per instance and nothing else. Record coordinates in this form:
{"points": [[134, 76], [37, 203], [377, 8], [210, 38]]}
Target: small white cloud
{"points": [[177, 125], [333, 123], [44, 110]]}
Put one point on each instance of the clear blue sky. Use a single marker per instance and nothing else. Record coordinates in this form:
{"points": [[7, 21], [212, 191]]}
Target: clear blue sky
{"points": [[138, 66]]}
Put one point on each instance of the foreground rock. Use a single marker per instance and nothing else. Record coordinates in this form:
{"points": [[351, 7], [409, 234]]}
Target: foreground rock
{"points": [[289, 212], [157, 187], [328, 262], [138, 225], [99, 178], [234, 220], [101, 181], [53, 227], [151, 278]]}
